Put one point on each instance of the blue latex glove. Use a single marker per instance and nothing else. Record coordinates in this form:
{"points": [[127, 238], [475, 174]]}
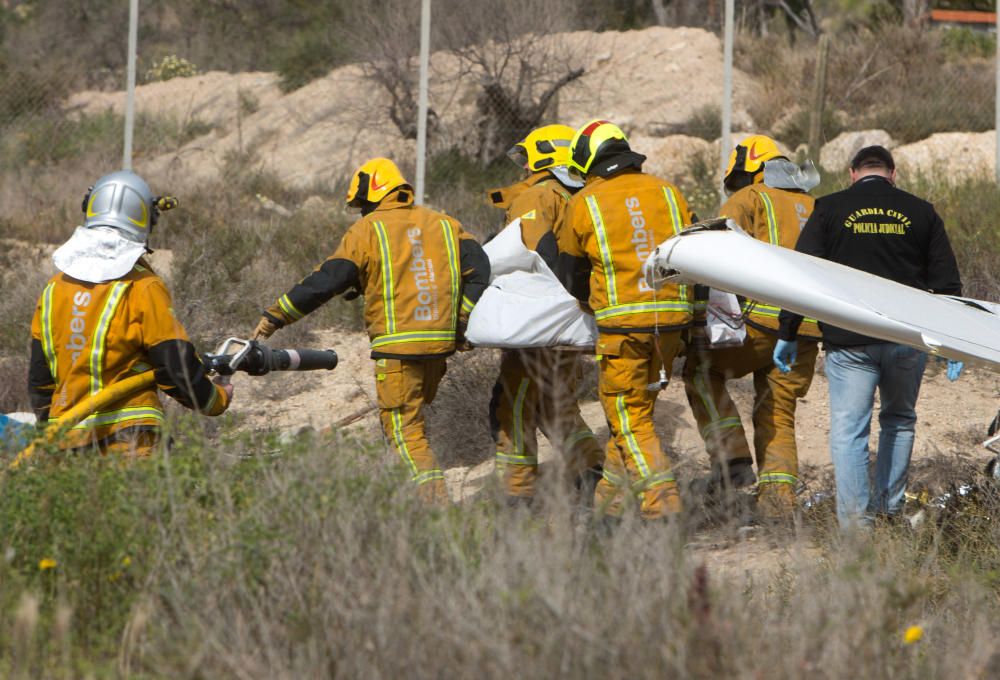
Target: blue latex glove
{"points": [[954, 369], [785, 353]]}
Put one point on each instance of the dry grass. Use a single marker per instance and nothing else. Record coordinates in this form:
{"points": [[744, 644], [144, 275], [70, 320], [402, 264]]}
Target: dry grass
{"points": [[13, 382], [911, 83], [320, 563], [238, 556]]}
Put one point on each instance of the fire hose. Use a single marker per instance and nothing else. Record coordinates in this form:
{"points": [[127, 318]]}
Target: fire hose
{"points": [[235, 354]]}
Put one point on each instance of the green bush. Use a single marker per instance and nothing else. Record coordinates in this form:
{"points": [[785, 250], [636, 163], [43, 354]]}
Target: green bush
{"points": [[971, 213], [310, 55], [705, 123], [458, 185], [169, 67], [964, 42]]}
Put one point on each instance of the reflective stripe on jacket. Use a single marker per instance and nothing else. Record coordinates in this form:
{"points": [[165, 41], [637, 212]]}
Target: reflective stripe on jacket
{"points": [[774, 216], [616, 222], [93, 335], [420, 272]]}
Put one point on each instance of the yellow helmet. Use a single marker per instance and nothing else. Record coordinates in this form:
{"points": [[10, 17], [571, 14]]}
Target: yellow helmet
{"points": [[373, 181], [544, 147], [594, 140], [748, 158]]}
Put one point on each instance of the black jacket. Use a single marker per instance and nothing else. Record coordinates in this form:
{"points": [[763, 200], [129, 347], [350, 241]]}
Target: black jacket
{"points": [[882, 230]]}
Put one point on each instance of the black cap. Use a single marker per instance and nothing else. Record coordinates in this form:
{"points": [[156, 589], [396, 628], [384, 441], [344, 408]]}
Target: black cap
{"points": [[873, 156]]}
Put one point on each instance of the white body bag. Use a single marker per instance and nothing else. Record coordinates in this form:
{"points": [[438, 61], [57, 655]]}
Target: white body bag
{"points": [[525, 305]]}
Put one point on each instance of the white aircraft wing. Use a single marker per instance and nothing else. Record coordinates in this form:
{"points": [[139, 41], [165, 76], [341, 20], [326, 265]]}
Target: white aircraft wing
{"points": [[731, 260]]}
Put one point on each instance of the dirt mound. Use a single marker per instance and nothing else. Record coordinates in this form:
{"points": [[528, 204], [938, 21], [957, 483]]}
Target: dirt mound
{"points": [[216, 98], [640, 79], [650, 82]]}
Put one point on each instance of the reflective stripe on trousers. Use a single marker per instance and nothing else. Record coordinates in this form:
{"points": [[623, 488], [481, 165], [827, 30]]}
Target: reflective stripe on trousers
{"points": [[404, 451]]}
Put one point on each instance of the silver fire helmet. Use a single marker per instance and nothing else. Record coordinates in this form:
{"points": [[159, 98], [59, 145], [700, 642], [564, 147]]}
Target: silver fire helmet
{"points": [[124, 201]]}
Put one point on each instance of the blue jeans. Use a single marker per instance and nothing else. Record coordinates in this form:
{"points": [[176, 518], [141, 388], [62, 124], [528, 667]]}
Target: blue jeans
{"points": [[853, 374]]}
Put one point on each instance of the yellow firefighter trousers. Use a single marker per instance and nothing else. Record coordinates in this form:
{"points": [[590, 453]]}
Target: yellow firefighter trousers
{"points": [[403, 387], [537, 389], [635, 463], [129, 442], [775, 398], [126, 443]]}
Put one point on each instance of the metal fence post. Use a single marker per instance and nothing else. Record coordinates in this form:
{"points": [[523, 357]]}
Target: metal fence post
{"points": [[425, 57], [727, 94], [133, 39], [819, 98]]}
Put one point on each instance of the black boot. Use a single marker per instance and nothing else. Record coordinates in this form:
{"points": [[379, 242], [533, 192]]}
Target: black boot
{"points": [[586, 485]]}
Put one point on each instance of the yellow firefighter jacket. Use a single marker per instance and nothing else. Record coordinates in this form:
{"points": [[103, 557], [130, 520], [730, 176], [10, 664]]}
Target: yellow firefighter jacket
{"points": [[421, 275], [540, 202], [774, 216], [616, 222], [88, 336]]}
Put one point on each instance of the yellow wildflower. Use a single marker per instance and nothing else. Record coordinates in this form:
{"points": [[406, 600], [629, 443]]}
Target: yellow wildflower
{"points": [[126, 561], [913, 634], [47, 563]]}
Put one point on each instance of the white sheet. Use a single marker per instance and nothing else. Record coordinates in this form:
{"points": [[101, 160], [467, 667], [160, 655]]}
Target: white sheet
{"points": [[525, 305]]}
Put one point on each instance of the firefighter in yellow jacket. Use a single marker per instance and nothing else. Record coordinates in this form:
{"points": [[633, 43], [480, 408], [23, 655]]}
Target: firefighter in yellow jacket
{"points": [[768, 199], [421, 275], [614, 223], [105, 317], [537, 387]]}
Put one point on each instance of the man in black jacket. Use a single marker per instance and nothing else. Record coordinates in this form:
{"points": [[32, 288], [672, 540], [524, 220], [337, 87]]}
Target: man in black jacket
{"points": [[877, 228]]}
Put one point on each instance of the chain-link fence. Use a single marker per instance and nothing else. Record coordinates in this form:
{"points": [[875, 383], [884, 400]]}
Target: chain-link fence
{"points": [[341, 86]]}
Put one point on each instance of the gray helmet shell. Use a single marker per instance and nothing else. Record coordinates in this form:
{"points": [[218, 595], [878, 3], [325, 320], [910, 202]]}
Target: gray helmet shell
{"points": [[124, 201]]}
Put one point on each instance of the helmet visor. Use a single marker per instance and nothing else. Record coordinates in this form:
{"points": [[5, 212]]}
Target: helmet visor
{"points": [[519, 155]]}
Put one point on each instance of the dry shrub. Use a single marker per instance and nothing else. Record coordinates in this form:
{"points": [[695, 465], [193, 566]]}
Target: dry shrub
{"points": [[233, 258], [907, 81], [458, 420], [13, 384], [336, 571], [23, 272], [971, 213], [313, 558], [48, 160]]}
